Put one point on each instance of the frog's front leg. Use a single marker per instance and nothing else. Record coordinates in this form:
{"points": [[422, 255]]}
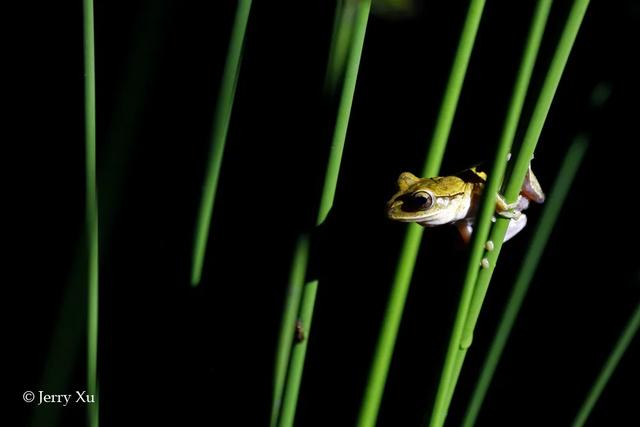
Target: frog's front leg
{"points": [[513, 211], [510, 210], [465, 228]]}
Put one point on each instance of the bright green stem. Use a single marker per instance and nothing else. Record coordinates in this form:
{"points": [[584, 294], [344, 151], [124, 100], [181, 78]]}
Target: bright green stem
{"points": [[514, 185], [529, 143], [608, 369], [344, 111], [455, 353], [69, 326], [291, 309], [563, 182], [452, 91], [221, 119], [91, 210], [386, 340], [546, 96], [340, 42], [409, 253], [307, 302], [299, 351]]}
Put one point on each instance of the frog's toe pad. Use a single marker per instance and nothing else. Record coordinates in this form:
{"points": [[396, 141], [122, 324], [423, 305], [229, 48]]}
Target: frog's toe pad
{"points": [[515, 226]]}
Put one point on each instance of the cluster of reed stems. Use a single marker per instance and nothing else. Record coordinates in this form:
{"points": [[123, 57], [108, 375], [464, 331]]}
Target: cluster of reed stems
{"points": [[342, 70]]}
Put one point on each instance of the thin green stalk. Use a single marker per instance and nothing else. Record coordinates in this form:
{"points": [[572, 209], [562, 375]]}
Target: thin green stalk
{"points": [[298, 353], [406, 263], [91, 211], [452, 364], [221, 119], [552, 207], [469, 317], [291, 309], [532, 135], [608, 368], [307, 302], [453, 89], [340, 42], [69, 328], [344, 111]]}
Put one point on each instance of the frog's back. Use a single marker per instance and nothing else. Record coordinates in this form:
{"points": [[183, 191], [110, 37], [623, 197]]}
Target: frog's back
{"points": [[473, 175]]}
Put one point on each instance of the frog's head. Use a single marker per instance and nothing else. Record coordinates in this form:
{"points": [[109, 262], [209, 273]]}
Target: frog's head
{"points": [[429, 201]]}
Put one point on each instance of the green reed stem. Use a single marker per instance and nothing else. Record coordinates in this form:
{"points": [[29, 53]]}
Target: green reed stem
{"points": [[69, 326], [221, 119], [91, 211], [393, 314], [514, 185], [516, 180], [453, 364], [553, 204], [307, 301], [453, 89], [287, 329], [609, 367], [340, 43], [344, 111]]}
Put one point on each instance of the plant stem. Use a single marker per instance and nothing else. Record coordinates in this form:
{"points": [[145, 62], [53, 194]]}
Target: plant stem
{"points": [[91, 211], [608, 368], [453, 364], [453, 89], [340, 43], [221, 119], [393, 314], [344, 111], [521, 166], [516, 180], [291, 309], [525, 155], [558, 193], [307, 301]]}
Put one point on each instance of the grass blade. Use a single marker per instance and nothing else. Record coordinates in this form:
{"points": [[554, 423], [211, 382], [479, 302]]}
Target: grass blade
{"points": [[406, 263], [291, 309], [453, 365], [340, 42], [608, 368], [68, 329], [453, 89], [468, 318], [91, 212], [307, 302], [558, 193], [222, 117], [529, 143]]}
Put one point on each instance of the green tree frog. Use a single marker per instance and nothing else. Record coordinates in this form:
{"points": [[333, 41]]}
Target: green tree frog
{"points": [[454, 200]]}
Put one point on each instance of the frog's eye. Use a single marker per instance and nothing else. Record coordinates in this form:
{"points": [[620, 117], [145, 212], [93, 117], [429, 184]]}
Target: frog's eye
{"points": [[420, 200]]}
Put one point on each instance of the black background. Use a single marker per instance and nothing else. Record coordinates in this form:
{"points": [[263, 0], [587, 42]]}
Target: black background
{"points": [[169, 352]]}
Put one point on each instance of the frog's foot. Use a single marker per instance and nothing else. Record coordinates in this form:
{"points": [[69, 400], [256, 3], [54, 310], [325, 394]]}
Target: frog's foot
{"points": [[465, 228], [515, 226], [511, 211]]}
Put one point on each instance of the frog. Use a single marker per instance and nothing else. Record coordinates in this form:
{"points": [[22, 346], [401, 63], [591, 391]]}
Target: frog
{"points": [[454, 199]]}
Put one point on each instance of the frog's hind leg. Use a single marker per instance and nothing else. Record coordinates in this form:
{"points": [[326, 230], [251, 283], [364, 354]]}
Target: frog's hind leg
{"points": [[465, 228], [515, 226], [531, 188]]}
